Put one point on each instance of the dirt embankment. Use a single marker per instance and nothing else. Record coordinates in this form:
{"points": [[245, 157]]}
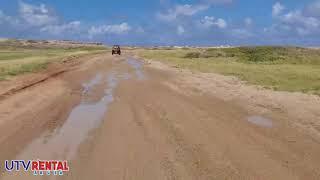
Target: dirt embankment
{"points": [[19, 83]]}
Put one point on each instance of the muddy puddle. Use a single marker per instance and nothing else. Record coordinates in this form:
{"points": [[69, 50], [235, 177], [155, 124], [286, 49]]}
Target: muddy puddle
{"points": [[64, 141], [137, 65], [260, 121], [87, 86]]}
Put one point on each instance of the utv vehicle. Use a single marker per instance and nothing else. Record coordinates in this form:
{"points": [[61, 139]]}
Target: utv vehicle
{"points": [[116, 50]]}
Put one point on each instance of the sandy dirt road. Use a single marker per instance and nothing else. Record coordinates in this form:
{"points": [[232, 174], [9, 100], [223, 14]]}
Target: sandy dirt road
{"points": [[122, 118]]}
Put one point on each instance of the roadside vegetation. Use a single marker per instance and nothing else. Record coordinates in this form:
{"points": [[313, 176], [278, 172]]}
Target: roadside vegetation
{"points": [[291, 69], [15, 60]]}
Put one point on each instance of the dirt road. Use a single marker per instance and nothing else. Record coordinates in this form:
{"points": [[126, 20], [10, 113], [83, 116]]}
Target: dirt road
{"points": [[124, 118]]}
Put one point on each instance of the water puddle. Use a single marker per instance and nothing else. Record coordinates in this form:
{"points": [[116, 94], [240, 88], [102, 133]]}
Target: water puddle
{"points": [[137, 65], [260, 121], [92, 83], [64, 141]]}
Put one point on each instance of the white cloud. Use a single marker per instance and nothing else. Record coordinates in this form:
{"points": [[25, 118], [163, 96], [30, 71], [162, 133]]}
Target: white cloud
{"points": [[2, 15], [221, 23], [140, 30], [109, 29], [303, 24], [209, 21], [298, 21], [181, 10], [296, 17], [180, 30], [218, 1], [242, 33], [302, 31], [248, 21], [37, 15], [71, 27], [3, 18], [43, 19], [313, 9], [277, 9]]}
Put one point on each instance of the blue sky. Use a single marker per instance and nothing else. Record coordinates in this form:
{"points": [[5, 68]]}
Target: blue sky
{"points": [[165, 22]]}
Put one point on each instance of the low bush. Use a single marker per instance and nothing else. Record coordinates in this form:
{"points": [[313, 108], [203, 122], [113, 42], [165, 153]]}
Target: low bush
{"points": [[192, 55]]}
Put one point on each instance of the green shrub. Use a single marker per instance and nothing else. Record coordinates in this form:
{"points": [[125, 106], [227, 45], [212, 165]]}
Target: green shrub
{"points": [[192, 55], [279, 68]]}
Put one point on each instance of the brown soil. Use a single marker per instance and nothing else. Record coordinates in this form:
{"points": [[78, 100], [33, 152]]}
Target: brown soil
{"points": [[121, 118]]}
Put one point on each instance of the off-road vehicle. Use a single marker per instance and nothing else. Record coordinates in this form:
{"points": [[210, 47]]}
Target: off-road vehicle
{"points": [[116, 50]]}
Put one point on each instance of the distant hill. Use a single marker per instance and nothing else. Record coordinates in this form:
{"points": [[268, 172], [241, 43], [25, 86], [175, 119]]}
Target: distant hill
{"points": [[47, 43]]}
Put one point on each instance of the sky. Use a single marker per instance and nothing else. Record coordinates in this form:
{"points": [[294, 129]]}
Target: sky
{"points": [[165, 22]]}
